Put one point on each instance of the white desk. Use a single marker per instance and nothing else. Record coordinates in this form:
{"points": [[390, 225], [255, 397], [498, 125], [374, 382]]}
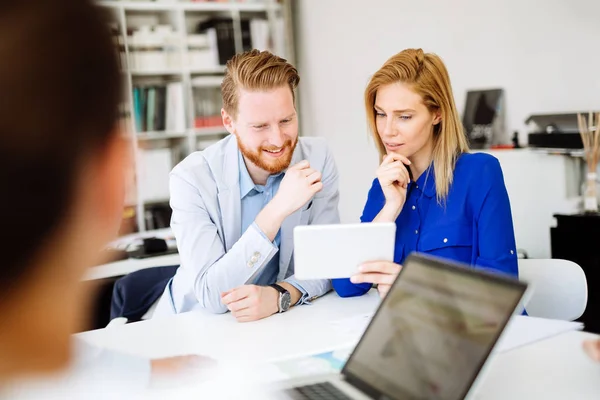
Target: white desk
{"points": [[302, 329], [549, 369], [124, 267], [555, 368]]}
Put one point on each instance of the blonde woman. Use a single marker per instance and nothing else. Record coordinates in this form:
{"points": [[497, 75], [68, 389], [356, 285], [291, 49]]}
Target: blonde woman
{"points": [[444, 200]]}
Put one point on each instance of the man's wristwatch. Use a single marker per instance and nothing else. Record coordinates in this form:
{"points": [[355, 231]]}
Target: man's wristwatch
{"points": [[285, 298]]}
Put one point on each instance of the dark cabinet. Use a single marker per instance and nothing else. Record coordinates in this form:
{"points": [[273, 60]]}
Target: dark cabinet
{"points": [[577, 238]]}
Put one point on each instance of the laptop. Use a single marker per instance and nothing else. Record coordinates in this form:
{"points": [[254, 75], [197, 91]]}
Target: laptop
{"points": [[429, 338]]}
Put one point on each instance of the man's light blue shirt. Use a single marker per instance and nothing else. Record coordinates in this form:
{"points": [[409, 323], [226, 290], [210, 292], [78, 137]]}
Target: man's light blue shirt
{"points": [[254, 198]]}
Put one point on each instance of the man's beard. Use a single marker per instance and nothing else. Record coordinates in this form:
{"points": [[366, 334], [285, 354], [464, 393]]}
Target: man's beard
{"points": [[263, 161]]}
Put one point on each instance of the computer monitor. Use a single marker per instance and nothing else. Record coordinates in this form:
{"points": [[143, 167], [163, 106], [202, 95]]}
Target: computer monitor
{"points": [[483, 118]]}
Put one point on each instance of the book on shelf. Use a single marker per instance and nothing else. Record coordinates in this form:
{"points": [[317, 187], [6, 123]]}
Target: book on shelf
{"points": [[159, 108], [257, 34], [246, 35], [124, 117], [156, 164], [220, 36], [175, 118], [207, 107], [154, 48], [119, 43]]}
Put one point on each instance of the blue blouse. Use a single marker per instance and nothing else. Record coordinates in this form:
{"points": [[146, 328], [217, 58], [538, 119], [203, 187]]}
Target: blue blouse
{"points": [[474, 227]]}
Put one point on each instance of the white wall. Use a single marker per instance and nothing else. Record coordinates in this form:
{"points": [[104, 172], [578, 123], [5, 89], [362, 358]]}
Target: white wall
{"points": [[539, 185], [544, 53]]}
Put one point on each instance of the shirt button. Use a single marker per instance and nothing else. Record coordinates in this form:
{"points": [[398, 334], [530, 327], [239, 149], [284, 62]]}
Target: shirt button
{"points": [[413, 207], [253, 259], [445, 240], [256, 254], [417, 186], [250, 264], [416, 231]]}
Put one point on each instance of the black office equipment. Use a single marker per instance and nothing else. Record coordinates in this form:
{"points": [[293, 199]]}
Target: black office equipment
{"points": [[576, 238], [554, 131], [483, 118]]}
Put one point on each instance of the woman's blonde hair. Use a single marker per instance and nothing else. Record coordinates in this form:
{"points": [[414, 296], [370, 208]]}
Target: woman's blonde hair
{"points": [[426, 75]]}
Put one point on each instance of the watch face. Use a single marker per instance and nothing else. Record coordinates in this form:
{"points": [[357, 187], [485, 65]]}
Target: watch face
{"points": [[286, 299]]}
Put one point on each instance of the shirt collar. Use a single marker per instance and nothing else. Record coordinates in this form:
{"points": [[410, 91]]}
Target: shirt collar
{"points": [[246, 182], [426, 182]]}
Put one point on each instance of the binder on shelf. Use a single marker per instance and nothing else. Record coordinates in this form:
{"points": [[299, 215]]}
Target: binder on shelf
{"points": [[159, 108], [207, 107], [259, 33], [156, 164], [151, 97], [160, 119], [221, 36], [175, 119], [246, 35], [137, 110]]}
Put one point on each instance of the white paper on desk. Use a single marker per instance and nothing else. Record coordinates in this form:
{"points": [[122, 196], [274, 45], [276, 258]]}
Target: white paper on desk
{"points": [[353, 326], [329, 362], [522, 330]]}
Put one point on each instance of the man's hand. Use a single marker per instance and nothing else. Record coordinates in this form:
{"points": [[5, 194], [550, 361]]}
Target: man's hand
{"points": [[251, 303], [298, 186]]}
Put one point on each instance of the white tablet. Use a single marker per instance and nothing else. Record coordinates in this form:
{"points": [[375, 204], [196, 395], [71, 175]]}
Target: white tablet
{"points": [[336, 251]]}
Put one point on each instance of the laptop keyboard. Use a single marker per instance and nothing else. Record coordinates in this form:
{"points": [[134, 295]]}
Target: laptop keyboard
{"points": [[317, 391]]}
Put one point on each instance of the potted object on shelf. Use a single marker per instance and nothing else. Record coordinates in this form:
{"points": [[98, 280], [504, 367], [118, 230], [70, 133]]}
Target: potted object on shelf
{"points": [[590, 136]]}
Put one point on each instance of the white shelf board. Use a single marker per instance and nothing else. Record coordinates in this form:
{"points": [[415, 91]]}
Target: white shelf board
{"points": [[207, 81], [160, 135], [187, 6], [564, 152], [170, 71], [210, 131], [206, 71], [138, 5], [149, 202], [212, 6]]}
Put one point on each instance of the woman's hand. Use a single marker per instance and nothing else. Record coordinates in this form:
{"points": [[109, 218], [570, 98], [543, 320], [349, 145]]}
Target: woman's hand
{"points": [[382, 273], [393, 177]]}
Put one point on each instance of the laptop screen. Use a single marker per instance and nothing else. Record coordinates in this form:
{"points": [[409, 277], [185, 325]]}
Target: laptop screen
{"points": [[433, 332]]}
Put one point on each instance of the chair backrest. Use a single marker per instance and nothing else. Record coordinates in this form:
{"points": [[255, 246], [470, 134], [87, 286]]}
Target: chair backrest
{"points": [[135, 293], [558, 288]]}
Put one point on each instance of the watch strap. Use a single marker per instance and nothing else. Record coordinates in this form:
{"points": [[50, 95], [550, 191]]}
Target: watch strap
{"points": [[279, 288]]}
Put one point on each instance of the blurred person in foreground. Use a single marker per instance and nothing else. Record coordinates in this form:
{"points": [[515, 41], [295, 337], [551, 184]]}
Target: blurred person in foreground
{"points": [[63, 173]]}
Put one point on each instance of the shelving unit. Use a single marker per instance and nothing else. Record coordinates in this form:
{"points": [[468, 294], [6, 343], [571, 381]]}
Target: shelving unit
{"points": [[167, 63]]}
